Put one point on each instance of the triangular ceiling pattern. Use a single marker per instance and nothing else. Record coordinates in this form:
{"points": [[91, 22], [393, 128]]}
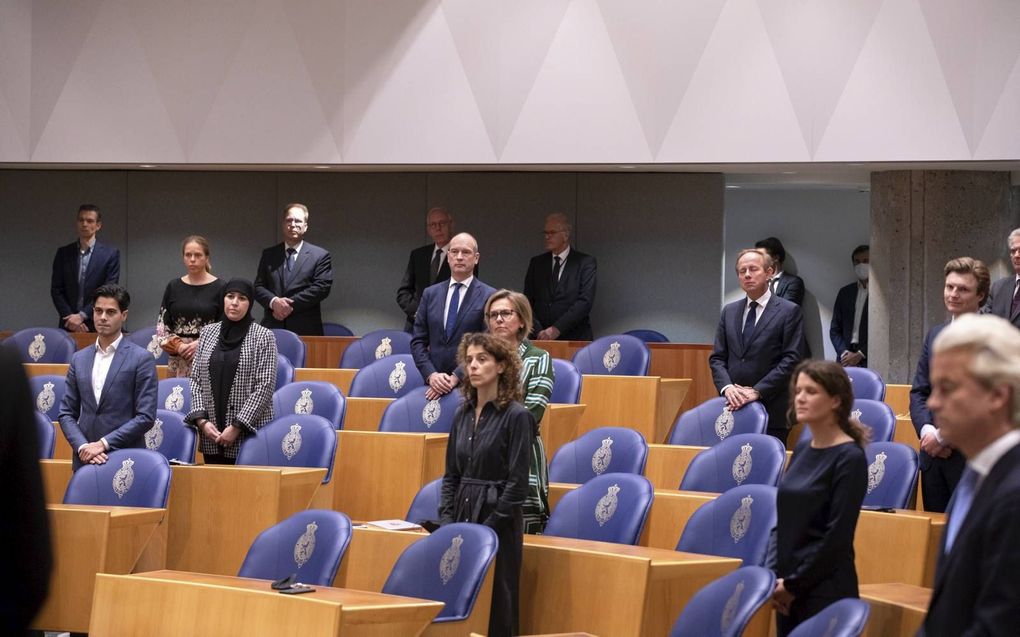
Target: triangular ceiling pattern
{"points": [[15, 67]]}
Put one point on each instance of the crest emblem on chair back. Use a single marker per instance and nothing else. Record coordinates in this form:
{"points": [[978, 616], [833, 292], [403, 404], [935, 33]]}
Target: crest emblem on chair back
{"points": [[413, 413], [292, 441], [725, 606], [892, 474], [37, 348], [171, 437], [450, 561], [876, 471], [375, 345], [311, 397], [736, 524], [738, 460], [606, 449], [154, 436], [305, 545], [174, 394], [384, 349], [398, 376], [618, 354], [130, 477], [602, 457], [148, 339], [606, 506], [711, 422], [48, 390], [845, 618], [124, 478], [390, 377], [46, 398], [309, 544], [43, 345], [612, 507]]}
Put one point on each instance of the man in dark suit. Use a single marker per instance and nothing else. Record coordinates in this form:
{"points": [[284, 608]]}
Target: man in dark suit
{"points": [[848, 330], [81, 267], [965, 289], [782, 284], [110, 400], [294, 278], [758, 343], [448, 310], [427, 264], [975, 377], [560, 284], [1004, 298]]}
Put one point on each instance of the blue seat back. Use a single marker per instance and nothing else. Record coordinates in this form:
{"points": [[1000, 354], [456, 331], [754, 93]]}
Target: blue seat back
{"points": [[877, 416], [736, 524], [48, 391], [566, 382], [171, 437], [413, 413], [47, 435], [648, 336], [866, 383], [845, 618], [309, 544], [711, 422], [724, 607], [292, 440], [617, 355], [284, 371], [447, 566], [390, 377], [311, 397], [738, 460], [373, 346], [42, 345], [892, 474], [610, 508], [130, 478], [174, 394], [146, 339], [290, 346], [601, 450], [425, 505], [336, 329]]}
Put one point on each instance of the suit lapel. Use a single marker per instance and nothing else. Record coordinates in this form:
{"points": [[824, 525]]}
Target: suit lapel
{"points": [[462, 310], [85, 394], [734, 326], [115, 365]]}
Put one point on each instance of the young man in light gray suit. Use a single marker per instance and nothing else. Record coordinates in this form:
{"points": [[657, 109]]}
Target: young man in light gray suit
{"points": [[110, 400], [759, 341]]}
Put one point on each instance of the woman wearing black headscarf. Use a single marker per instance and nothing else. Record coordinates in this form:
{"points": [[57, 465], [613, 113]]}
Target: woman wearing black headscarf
{"points": [[233, 377]]}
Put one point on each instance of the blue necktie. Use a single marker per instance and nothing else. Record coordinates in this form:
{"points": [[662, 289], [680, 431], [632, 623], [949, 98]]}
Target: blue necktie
{"points": [[749, 322], [963, 497], [451, 315], [291, 258]]}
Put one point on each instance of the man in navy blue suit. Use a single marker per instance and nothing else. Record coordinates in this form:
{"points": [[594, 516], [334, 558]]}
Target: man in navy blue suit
{"points": [[294, 278], [110, 400], [975, 396], [848, 330], [448, 310], [560, 284], [758, 343], [81, 267], [965, 290]]}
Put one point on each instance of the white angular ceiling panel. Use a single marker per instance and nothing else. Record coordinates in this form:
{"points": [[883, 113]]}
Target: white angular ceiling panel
{"points": [[424, 110], [736, 104], [579, 109], [15, 82], [267, 109], [12, 148], [110, 105], [1001, 139], [896, 106]]}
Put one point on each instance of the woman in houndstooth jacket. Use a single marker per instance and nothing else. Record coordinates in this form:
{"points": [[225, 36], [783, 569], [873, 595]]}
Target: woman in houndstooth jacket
{"points": [[233, 377]]}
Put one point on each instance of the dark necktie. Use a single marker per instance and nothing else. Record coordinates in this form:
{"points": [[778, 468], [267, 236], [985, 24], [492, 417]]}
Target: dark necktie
{"points": [[437, 262], [451, 315], [557, 262], [83, 264], [963, 497], [1016, 302], [291, 258], [749, 321]]}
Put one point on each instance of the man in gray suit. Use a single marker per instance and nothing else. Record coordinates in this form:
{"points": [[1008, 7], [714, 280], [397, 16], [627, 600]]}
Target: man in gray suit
{"points": [[110, 400], [1004, 298]]}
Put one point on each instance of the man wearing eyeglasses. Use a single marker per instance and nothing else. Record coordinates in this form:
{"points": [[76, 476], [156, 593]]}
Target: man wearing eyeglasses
{"points": [[427, 265], [294, 278], [1004, 298], [560, 284]]}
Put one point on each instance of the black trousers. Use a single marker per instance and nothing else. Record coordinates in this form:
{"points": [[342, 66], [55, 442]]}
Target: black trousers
{"points": [[504, 617], [939, 477]]}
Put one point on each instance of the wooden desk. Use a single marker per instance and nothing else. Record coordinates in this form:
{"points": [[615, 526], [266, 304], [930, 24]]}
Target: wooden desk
{"points": [[342, 378], [42, 369], [181, 603], [667, 464], [364, 414], [898, 547], [897, 610], [326, 351], [55, 476], [87, 540], [647, 404], [376, 475], [685, 360], [898, 398], [216, 511], [609, 589], [559, 426]]}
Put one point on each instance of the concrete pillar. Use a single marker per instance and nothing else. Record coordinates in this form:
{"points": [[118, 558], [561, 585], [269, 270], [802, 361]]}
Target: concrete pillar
{"points": [[919, 221]]}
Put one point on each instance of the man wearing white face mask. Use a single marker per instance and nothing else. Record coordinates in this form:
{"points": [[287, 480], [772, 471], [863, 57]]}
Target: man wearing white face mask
{"points": [[849, 328]]}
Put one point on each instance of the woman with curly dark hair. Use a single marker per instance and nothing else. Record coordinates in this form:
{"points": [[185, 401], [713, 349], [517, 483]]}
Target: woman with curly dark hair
{"points": [[487, 460], [819, 498]]}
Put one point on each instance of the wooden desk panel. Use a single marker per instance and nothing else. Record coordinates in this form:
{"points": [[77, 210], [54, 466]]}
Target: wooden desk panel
{"points": [[55, 476], [61, 447], [341, 378], [217, 511], [609, 589], [667, 464], [685, 360], [647, 404], [559, 426], [898, 547], [898, 398], [376, 475], [175, 603], [87, 540], [43, 369], [364, 414], [897, 610]]}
